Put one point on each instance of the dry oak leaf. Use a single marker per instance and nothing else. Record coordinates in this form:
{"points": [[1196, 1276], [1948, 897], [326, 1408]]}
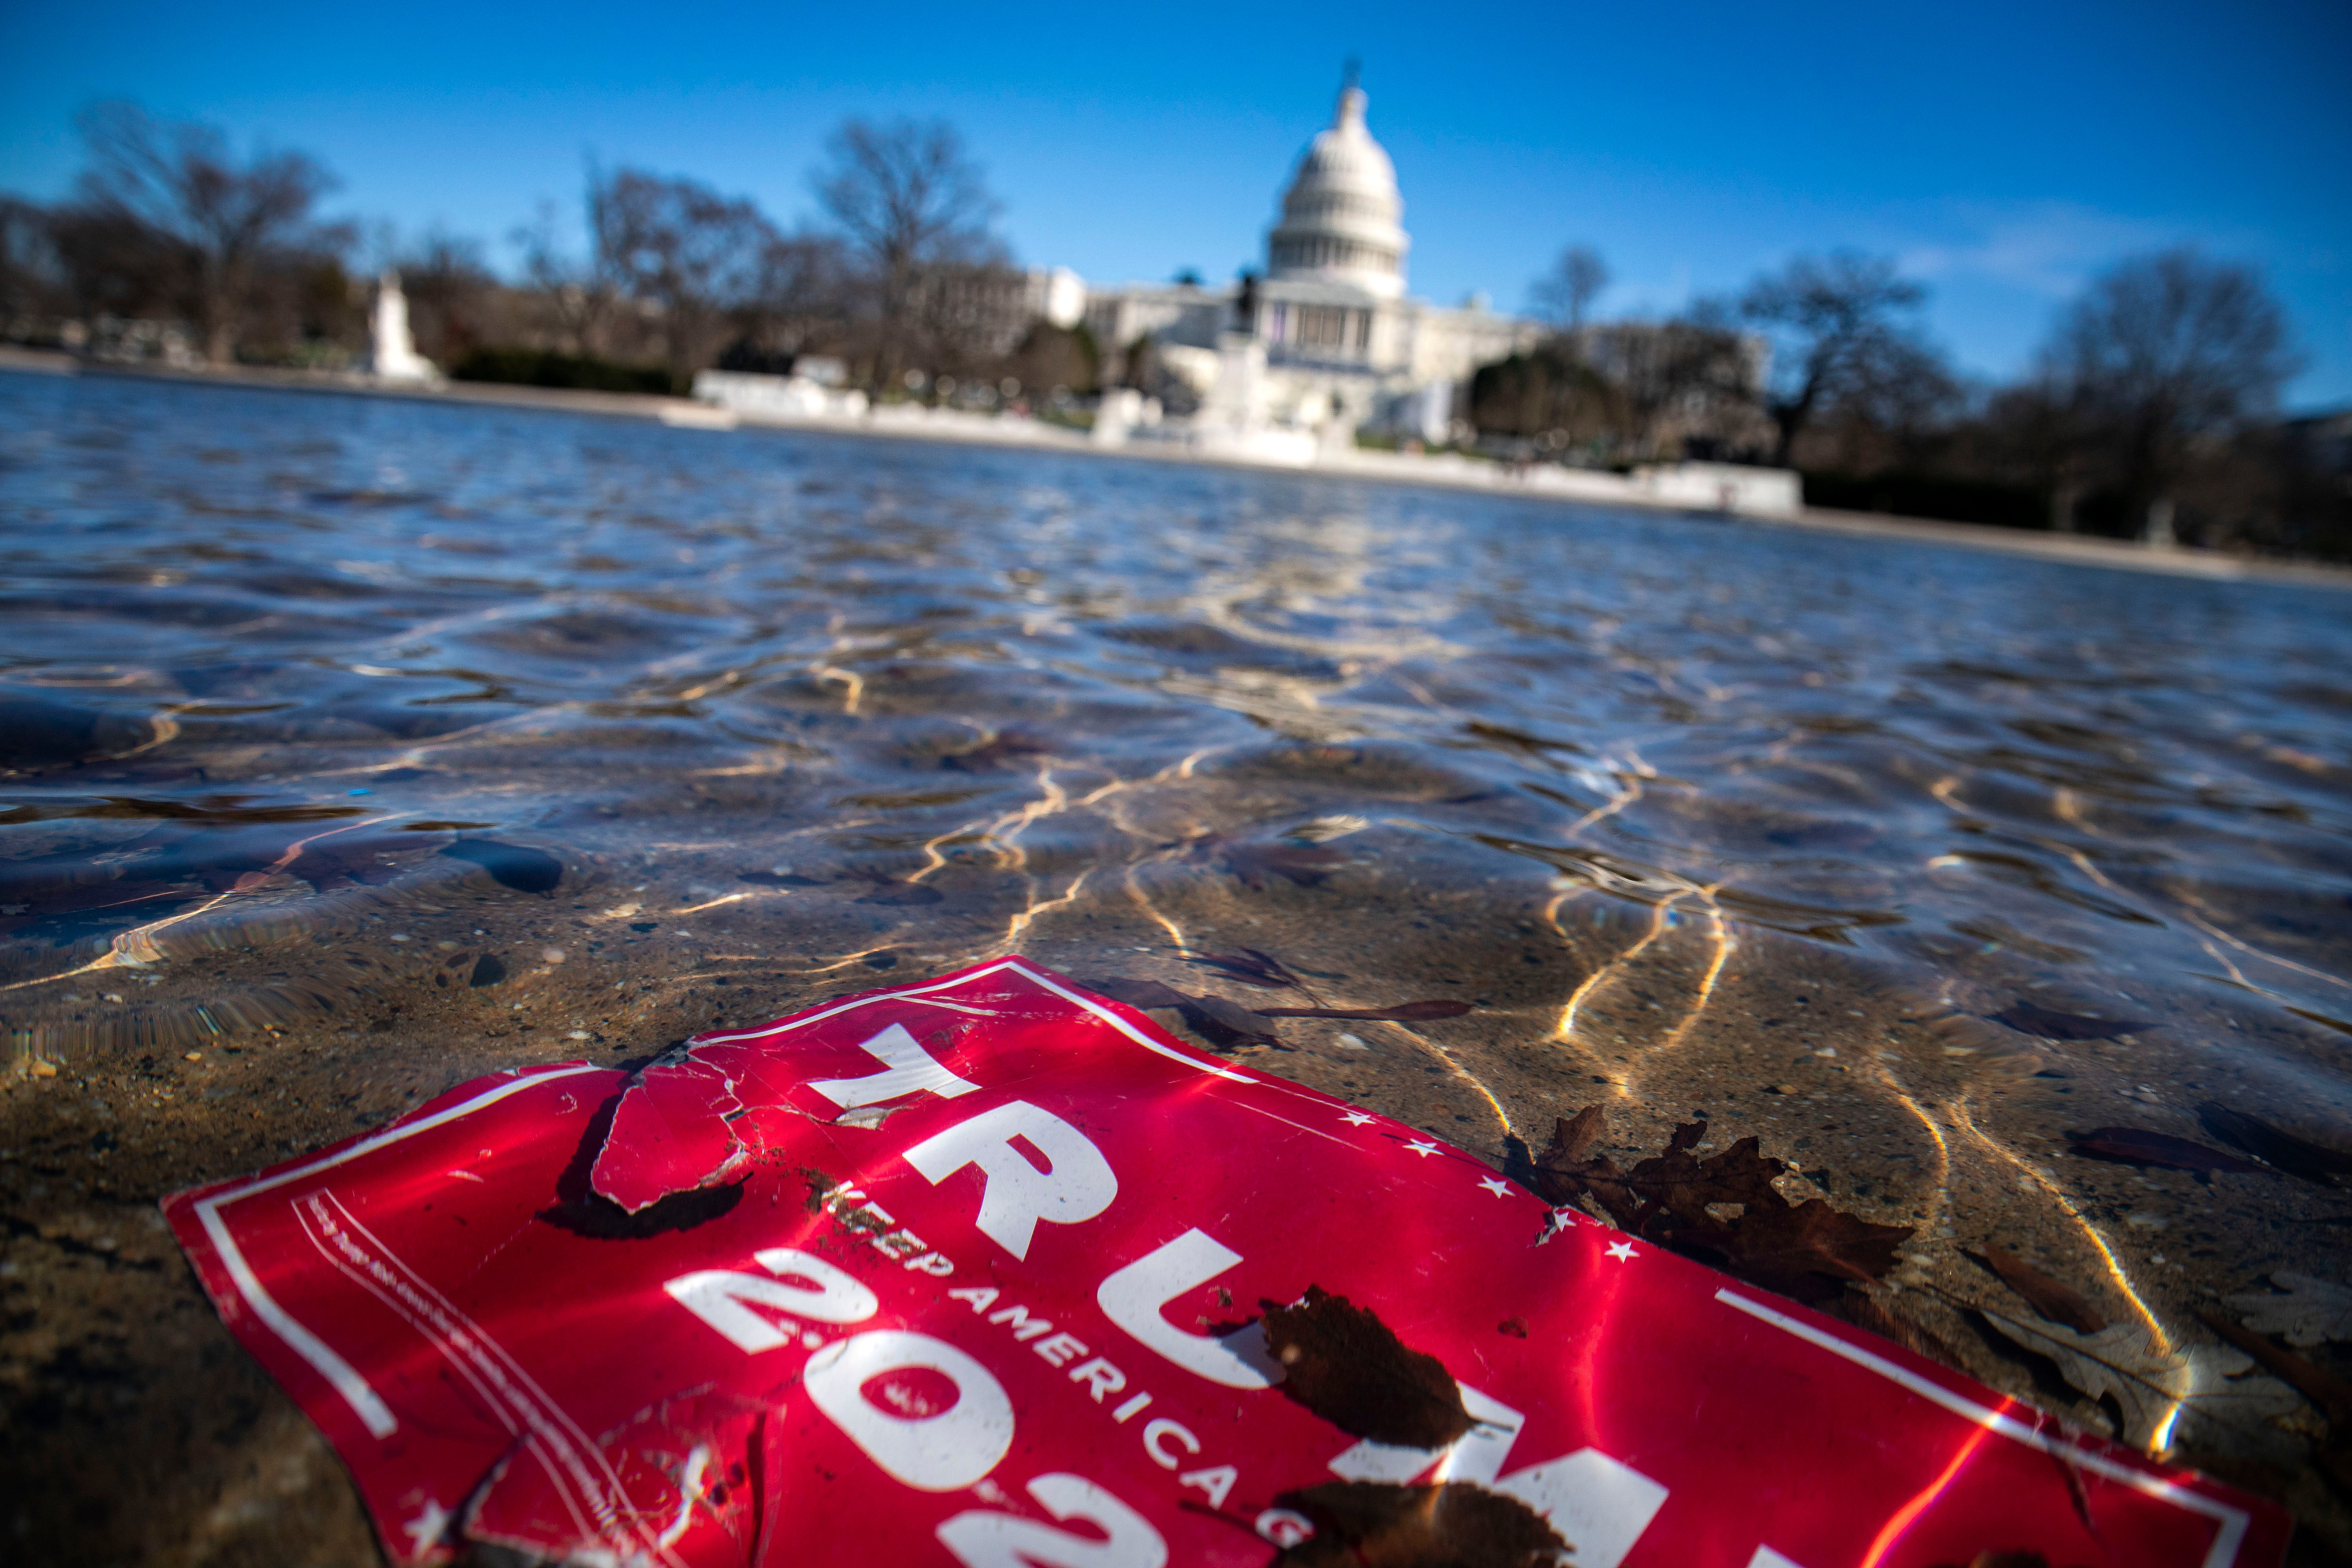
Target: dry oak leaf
{"points": [[2163, 1397], [1370, 1524], [1343, 1363], [2312, 1309]]}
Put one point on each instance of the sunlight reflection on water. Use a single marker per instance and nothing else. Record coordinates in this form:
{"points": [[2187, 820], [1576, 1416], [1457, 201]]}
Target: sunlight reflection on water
{"points": [[333, 713]]}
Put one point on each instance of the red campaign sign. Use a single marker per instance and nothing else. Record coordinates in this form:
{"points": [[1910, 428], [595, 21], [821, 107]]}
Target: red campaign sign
{"points": [[967, 1272]]}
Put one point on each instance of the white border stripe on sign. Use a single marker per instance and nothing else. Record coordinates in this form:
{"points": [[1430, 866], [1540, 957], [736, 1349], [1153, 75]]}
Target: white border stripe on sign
{"points": [[365, 1402], [2232, 1522], [916, 993]]}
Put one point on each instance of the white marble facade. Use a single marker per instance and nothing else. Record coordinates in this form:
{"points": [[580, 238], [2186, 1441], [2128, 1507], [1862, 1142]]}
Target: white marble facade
{"points": [[1343, 343]]}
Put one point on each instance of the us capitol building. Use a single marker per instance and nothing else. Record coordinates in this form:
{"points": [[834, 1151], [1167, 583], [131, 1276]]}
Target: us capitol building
{"points": [[1327, 338]]}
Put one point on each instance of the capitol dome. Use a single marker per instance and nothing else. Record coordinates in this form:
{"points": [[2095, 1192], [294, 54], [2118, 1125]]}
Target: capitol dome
{"points": [[1340, 217]]}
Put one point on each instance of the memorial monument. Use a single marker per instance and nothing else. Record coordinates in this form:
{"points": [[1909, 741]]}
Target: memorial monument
{"points": [[392, 352]]}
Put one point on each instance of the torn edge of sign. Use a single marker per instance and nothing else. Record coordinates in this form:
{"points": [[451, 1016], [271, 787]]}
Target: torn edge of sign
{"points": [[672, 1132], [690, 1120]]}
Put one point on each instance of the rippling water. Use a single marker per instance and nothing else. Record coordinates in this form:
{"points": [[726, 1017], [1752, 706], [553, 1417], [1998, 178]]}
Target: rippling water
{"points": [[394, 730]]}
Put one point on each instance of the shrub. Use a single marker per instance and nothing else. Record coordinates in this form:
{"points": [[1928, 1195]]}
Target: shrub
{"points": [[1930, 496], [576, 373]]}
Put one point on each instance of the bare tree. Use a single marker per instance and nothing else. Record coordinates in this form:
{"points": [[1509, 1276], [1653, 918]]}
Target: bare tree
{"points": [[1684, 376], [965, 317], [30, 285], [220, 217], [1836, 326], [1052, 357], [915, 207], [113, 265], [1549, 395], [2042, 434], [805, 296], [1563, 295], [449, 286], [683, 248], [578, 294], [2166, 352], [1894, 409]]}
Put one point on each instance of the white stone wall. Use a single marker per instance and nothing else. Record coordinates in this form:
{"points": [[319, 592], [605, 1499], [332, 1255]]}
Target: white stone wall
{"points": [[1118, 315], [1400, 366]]}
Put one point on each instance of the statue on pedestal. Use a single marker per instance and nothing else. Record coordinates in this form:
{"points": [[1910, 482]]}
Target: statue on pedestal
{"points": [[392, 352]]}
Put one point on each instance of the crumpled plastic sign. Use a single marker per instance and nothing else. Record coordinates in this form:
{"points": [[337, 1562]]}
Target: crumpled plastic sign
{"points": [[968, 1272]]}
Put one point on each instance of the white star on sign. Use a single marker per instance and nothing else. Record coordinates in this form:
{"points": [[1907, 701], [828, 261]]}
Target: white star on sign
{"points": [[431, 1523], [1494, 1186], [1357, 1119], [1621, 1251], [1421, 1148]]}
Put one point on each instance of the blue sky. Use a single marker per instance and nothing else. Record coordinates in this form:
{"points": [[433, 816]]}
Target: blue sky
{"points": [[2002, 151]]}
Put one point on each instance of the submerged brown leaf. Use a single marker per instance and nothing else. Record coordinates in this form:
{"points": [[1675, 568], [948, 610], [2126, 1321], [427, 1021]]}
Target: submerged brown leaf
{"points": [[2031, 1018], [1343, 1363], [997, 751], [1146, 993], [1223, 1024], [2296, 1156], [1371, 1524], [2330, 1393], [1305, 865], [1684, 1185], [2308, 1311], [2173, 1393], [1228, 1024], [1249, 966], [777, 879], [2142, 1146], [1866, 1311], [1573, 1138], [1799, 1251], [1567, 1168], [1402, 1013], [1807, 1251], [904, 895], [2050, 1299]]}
